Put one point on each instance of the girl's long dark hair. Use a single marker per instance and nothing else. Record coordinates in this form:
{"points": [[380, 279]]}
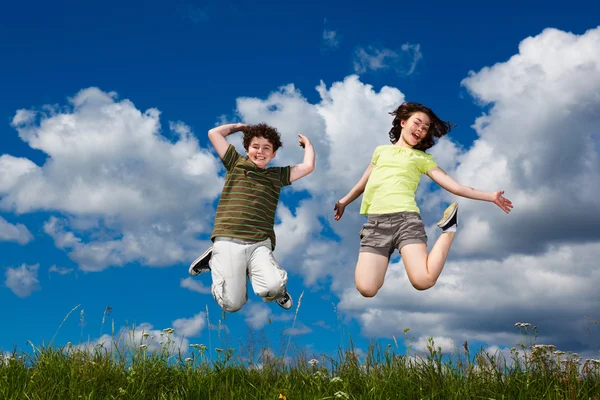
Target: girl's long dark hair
{"points": [[437, 128]]}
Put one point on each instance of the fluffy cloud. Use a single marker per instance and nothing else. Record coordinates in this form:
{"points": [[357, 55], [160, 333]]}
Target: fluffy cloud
{"points": [[190, 327], [131, 190], [60, 270], [372, 58], [257, 315], [194, 285], [141, 336], [540, 142], [331, 39], [22, 280], [14, 233], [301, 329]]}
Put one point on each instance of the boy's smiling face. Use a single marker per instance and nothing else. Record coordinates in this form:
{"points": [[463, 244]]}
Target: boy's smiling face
{"points": [[260, 152]]}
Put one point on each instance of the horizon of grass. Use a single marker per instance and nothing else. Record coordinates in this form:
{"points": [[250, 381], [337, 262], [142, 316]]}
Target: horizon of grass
{"points": [[129, 368]]}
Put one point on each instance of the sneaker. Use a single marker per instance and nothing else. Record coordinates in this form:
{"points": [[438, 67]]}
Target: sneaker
{"points": [[201, 264], [285, 301], [450, 217]]}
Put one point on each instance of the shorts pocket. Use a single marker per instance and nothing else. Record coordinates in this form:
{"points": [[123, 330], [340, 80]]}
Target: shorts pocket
{"points": [[367, 229]]}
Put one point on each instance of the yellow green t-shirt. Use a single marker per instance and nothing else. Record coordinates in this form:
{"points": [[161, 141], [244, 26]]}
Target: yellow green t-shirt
{"points": [[394, 179]]}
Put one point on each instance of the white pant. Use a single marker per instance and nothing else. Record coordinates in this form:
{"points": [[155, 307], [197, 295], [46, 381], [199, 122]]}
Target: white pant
{"points": [[233, 259]]}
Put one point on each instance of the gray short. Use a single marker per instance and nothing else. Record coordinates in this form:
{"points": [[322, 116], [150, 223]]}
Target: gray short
{"points": [[383, 233]]}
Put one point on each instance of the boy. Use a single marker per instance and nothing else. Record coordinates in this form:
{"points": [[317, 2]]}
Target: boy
{"points": [[243, 235]]}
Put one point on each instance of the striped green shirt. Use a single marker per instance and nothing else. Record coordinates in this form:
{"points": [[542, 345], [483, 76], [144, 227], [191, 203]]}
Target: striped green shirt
{"points": [[249, 199]]}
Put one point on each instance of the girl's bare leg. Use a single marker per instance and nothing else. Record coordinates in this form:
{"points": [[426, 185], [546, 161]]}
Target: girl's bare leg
{"points": [[423, 270], [370, 273]]}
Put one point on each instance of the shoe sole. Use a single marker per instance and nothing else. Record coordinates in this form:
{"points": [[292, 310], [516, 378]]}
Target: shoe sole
{"points": [[287, 308], [449, 213], [196, 261]]}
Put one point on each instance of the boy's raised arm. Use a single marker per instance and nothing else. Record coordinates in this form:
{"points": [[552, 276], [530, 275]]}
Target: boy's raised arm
{"points": [[217, 136], [308, 165]]}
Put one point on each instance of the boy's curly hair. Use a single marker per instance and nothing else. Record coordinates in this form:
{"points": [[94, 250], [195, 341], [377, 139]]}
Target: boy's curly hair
{"points": [[261, 130], [437, 129]]}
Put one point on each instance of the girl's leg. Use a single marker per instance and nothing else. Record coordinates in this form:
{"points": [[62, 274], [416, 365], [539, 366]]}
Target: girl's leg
{"points": [[370, 273], [228, 268], [423, 270]]}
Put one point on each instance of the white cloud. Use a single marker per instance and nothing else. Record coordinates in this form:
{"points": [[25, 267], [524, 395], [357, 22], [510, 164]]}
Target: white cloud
{"points": [[14, 233], [194, 285], [256, 315], [372, 58], [60, 270], [423, 344], [139, 195], [22, 280], [190, 327], [143, 334], [301, 329], [331, 39]]}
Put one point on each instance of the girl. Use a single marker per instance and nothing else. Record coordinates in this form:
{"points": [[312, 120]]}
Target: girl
{"points": [[389, 185]]}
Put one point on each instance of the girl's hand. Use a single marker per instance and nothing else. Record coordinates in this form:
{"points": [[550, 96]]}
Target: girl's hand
{"points": [[502, 202], [339, 210]]}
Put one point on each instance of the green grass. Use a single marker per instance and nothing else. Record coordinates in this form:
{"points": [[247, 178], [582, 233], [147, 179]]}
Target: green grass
{"points": [[118, 370], [135, 365]]}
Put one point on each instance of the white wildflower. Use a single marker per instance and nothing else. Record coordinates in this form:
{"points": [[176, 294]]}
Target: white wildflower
{"points": [[335, 379], [313, 362], [341, 395], [143, 346], [187, 360], [559, 353]]}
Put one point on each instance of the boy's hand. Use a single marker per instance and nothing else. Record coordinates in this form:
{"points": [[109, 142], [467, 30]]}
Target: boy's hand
{"points": [[501, 201], [239, 128], [303, 141], [339, 210]]}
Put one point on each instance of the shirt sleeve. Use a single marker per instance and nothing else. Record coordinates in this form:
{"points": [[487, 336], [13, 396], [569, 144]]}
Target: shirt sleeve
{"points": [[230, 158], [427, 163], [376, 155], [284, 175]]}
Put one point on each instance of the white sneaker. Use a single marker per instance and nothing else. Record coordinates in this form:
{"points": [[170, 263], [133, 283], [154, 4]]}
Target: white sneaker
{"points": [[285, 301], [450, 217], [201, 264]]}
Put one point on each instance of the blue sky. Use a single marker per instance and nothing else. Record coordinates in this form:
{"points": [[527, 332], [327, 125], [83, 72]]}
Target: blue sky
{"points": [[105, 203]]}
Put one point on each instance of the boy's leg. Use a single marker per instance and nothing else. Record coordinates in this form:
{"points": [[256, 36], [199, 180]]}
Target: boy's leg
{"points": [[268, 278], [228, 268]]}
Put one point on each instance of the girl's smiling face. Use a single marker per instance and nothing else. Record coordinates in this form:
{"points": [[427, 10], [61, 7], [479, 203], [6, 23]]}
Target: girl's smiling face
{"points": [[414, 129]]}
